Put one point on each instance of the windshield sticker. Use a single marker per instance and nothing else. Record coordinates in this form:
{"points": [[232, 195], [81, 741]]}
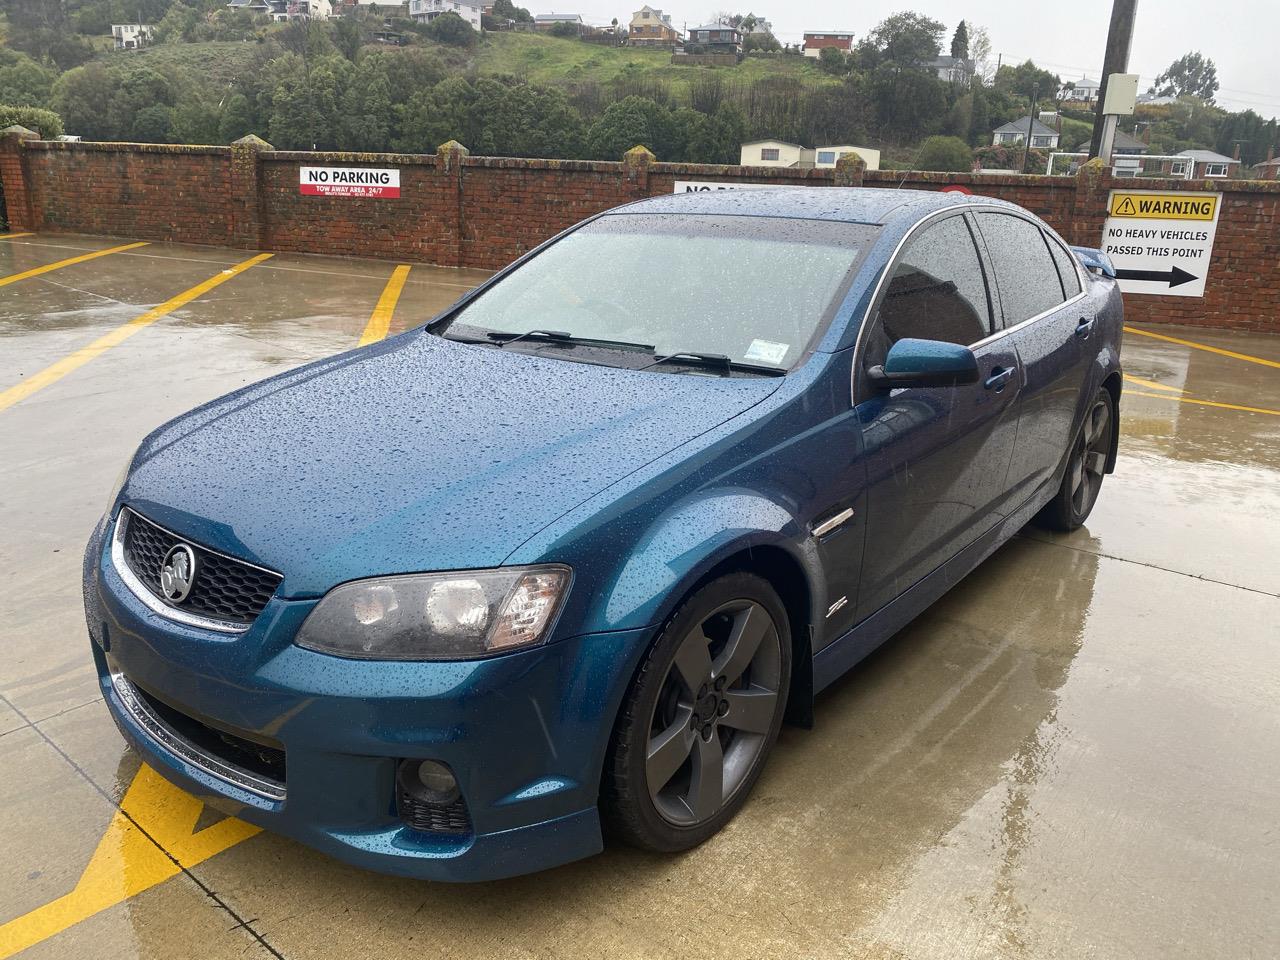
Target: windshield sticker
{"points": [[766, 351]]}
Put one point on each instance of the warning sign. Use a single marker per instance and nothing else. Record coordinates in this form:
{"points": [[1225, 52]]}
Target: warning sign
{"points": [[348, 182], [1161, 243], [1165, 206]]}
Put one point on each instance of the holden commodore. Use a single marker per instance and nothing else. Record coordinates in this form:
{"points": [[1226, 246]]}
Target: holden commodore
{"points": [[559, 564]]}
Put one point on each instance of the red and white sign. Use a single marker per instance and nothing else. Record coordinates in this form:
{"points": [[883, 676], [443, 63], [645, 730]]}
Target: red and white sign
{"points": [[348, 182]]}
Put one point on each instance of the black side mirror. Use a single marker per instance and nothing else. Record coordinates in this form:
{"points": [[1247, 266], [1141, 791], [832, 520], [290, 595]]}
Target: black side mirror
{"points": [[925, 363]]}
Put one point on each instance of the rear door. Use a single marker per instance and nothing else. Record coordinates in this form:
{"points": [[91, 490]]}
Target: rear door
{"points": [[937, 458], [1049, 322]]}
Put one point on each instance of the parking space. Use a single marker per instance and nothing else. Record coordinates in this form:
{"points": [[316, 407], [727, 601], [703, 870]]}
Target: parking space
{"points": [[1072, 754]]}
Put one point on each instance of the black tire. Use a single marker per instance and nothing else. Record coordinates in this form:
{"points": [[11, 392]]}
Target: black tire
{"points": [[1086, 466], [662, 711]]}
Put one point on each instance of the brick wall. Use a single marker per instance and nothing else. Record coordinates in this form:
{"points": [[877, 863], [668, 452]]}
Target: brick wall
{"points": [[459, 210]]}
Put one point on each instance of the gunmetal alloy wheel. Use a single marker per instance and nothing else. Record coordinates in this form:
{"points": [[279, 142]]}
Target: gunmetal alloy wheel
{"points": [[700, 717], [1089, 459], [714, 711]]}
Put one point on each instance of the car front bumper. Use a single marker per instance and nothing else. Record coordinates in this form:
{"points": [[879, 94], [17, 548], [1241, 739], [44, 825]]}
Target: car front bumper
{"points": [[524, 734]]}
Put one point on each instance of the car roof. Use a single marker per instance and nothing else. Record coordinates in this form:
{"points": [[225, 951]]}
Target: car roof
{"points": [[870, 205]]}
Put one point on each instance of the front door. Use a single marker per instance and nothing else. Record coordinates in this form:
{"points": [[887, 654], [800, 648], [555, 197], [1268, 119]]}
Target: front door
{"points": [[937, 458]]}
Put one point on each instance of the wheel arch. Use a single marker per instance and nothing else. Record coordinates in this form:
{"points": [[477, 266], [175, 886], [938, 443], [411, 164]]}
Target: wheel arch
{"points": [[1113, 384]]}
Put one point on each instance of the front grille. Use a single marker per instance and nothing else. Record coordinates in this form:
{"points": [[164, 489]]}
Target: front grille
{"points": [[224, 589], [434, 817]]}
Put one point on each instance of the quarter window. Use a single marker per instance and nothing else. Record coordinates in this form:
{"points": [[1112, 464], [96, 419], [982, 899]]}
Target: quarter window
{"points": [[937, 291], [1067, 272], [1025, 270]]}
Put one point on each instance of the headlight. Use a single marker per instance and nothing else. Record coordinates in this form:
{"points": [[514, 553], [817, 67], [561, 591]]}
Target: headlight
{"points": [[437, 616]]}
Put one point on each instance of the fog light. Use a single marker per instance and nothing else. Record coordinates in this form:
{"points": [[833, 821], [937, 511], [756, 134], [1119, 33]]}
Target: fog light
{"points": [[428, 781]]}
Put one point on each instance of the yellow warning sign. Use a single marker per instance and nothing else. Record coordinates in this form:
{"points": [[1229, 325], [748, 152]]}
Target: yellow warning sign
{"points": [[1164, 206]]}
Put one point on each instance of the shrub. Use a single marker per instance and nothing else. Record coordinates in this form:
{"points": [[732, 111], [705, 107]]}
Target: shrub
{"points": [[452, 29], [945, 153], [44, 122], [564, 29]]}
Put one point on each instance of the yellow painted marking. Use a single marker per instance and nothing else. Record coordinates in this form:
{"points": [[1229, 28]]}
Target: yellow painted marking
{"points": [[1202, 403], [14, 236], [1150, 383], [74, 361], [1164, 206], [28, 274], [1203, 346], [129, 861], [380, 322]]}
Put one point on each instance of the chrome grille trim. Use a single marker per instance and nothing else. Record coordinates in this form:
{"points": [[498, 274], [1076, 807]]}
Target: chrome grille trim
{"points": [[149, 599], [159, 731]]}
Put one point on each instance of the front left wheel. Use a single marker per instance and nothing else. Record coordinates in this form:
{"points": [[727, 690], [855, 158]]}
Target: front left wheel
{"points": [[701, 716]]}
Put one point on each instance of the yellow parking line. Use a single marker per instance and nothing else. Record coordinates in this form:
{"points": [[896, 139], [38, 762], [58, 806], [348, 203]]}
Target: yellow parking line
{"points": [[380, 322], [1203, 346], [27, 274], [151, 838], [14, 236], [74, 361], [1150, 383], [1202, 403]]}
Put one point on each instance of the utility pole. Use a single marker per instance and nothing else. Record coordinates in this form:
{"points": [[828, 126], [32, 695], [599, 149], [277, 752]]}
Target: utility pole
{"points": [[1116, 60], [1031, 122]]}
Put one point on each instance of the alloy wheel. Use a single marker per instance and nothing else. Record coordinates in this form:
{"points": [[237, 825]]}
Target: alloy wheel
{"points": [[1089, 459], [714, 711]]}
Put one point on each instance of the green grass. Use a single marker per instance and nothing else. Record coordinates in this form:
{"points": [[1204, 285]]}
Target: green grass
{"points": [[218, 61], [550, 61]]}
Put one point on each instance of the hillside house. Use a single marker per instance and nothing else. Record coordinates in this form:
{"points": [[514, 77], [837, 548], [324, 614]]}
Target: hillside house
{"points": [[652, 28], [951, 69], [781, 153], [1015, 131], [1083, 90], [424, 11], [814, 42], [717, 38], [1202, 164], [545, 22], [132, 36]]}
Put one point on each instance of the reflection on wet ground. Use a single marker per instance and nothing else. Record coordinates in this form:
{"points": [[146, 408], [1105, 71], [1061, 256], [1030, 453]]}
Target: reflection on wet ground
{"points": [[1073, 754]]}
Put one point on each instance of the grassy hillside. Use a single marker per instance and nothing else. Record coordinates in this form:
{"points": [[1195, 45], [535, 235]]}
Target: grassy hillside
{"points": [[547, 60]]}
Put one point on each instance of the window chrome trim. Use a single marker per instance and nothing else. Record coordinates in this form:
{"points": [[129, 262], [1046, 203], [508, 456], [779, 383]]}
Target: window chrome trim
{"points": [[154, 603], [860, 342], [141, 713]]}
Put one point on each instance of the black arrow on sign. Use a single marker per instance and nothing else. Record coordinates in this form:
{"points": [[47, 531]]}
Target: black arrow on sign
{"points": [[1173, 275]]}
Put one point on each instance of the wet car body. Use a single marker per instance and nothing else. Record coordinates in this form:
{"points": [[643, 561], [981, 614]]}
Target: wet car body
{"points": [[861, 505]]}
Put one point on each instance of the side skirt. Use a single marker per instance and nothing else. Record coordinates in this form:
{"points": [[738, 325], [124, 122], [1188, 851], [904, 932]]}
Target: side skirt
{"points": [[841, 655]]}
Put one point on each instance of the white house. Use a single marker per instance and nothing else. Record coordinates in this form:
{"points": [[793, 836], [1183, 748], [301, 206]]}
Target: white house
{"points": [[829, 156], [131, 36], [952, 69], [1084, 89], [1015, 131], [770, 153], [428, 10]]}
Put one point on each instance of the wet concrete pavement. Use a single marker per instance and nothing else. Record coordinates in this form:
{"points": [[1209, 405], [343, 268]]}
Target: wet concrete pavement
{"points": [[1073, 754]]}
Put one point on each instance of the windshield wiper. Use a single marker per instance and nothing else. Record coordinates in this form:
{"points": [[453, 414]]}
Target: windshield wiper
{"points": [[715, 360], [564, 339]]}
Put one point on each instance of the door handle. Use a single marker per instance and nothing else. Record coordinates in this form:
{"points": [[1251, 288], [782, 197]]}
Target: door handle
{"points": [[1084, 328], [999, 377]]}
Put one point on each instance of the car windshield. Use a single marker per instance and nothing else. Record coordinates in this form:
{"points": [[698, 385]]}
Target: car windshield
{"points": [[757, 290]]}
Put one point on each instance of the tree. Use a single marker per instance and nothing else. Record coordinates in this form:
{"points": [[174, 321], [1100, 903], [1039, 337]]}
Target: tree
{"points": [[44, 122], [909, 39], [910, 103], [564, 29], [632, 121], [944, 153], [1026, 81], [23, 82], [980, 54], [1191, 75], [833, 61], [347, 37], [178, 25], [960, 42], [451, 29]]}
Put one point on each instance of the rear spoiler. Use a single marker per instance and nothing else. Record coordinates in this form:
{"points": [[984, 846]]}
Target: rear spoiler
{"points": [[1095, 261]]}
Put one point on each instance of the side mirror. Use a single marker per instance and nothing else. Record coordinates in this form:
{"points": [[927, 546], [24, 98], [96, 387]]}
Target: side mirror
{"points": [[925, 363]]}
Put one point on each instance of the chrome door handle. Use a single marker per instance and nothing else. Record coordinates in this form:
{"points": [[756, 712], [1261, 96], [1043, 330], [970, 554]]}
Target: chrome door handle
{"points": [[1084, 328], [999, 377]]}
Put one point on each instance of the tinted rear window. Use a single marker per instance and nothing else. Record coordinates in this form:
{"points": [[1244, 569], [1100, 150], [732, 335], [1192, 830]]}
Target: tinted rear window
{"points": [[1025, 271], [1066, 267]]}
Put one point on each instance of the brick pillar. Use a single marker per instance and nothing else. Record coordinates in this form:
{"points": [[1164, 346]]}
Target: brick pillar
{"points": [[635, 170], [1089, 206], [13, 177], [849, 170], [248, 223], [449, 157]]}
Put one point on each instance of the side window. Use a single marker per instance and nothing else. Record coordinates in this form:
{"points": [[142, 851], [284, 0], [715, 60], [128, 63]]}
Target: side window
{"points": [[937, 291], [1025, 270], [1066, 262]]}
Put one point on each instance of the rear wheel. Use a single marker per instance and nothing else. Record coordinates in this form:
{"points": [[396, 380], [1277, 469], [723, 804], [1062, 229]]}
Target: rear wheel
{"points": [[1086, 466], [701, 716]]}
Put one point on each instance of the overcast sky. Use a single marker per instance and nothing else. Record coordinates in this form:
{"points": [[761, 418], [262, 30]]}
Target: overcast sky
{"points": [[1240, 36]]}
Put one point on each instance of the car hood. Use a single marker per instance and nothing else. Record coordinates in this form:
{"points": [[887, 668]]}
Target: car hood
{"points": [[415, 454]]}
